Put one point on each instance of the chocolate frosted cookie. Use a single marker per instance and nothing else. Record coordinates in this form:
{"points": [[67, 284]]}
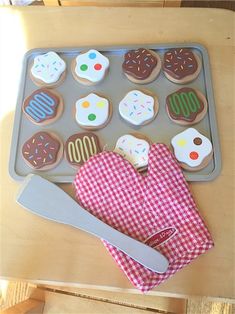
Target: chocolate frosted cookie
{"points": [[141, 66], [181, 65], [186, 106], [80, 147], [43, 151], [43, 106]]}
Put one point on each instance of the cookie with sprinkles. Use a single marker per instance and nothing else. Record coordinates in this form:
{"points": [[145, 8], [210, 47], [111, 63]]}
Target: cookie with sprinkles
{"points": [[48, 70], [43, 106], [138, 107], [134, 148], [181, 65], [186, 106], [141, 66], [90, 67], [42, 151]]}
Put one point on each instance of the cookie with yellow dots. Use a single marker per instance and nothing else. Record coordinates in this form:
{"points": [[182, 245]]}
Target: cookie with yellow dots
{"points": [[93, 112], [193, 150]]}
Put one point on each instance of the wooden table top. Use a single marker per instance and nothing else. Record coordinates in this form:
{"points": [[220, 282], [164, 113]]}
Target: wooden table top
{"points": [[42, 251]]}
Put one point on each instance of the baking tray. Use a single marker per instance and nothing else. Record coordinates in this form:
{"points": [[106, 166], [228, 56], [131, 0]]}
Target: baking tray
{"points": [[115, 86]]}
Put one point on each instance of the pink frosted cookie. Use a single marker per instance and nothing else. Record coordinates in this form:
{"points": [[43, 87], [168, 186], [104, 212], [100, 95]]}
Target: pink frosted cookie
{"points": [[48, 70], [90, 68], [192, 149]]}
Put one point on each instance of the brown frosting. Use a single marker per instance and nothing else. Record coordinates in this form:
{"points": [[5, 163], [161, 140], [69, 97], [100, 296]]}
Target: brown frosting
{"points": [[41, 105], [139, 63], [179, 63], [41, 150], [184, 104], [80, 147]]}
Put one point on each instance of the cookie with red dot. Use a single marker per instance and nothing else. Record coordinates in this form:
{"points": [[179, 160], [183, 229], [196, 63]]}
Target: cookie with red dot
{"points": [[90, 68], [93, 112], [192, 149]]}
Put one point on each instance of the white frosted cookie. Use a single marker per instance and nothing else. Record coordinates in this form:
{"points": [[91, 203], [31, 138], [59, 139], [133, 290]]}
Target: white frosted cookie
{"points": [[192, 149], [134, 149], [90, 68], [138, 108], [48, 69], [92, 111]]}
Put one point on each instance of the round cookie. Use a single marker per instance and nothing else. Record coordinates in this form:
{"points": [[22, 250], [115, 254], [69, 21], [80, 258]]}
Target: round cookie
{"points": [[43, 106], [192, 149], [138, 108], [135, 149], [186, 106], [48, 70], [141, 66], [80, 147], [93, 112], [181, 65], [90, 68], [43, 151]]}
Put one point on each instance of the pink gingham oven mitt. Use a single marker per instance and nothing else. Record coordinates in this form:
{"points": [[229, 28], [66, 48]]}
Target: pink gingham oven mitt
{"points": [[157, 209]]}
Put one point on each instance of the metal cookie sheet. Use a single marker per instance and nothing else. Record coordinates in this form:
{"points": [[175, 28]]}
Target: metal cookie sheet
{"points": [[115, 86]]}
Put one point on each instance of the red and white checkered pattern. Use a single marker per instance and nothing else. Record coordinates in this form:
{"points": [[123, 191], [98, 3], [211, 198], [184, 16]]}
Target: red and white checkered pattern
{"points": [[139, 206]]}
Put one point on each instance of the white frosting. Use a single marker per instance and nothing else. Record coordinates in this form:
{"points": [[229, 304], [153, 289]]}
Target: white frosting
{"points": [[187, 151], [48, 67], [91, 65], [133, 149], [137, 107], [92, 110]]}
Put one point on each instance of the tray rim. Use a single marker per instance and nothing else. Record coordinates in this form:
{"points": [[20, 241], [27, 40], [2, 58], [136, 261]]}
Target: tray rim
{"points": [[191, 177]]}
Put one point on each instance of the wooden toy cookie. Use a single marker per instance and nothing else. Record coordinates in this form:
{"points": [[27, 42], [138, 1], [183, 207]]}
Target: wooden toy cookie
{"points": [[135, 149], [141, 66], [192, 149], [181, 65], [186, 106], [43, 106], [48, 70], [90, 68], [80, 147], [43, 151], [93, 112], [138, 108]]}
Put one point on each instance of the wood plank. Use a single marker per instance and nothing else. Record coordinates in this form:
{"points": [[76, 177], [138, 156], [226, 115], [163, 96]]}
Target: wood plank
{"points": [[68, 256], [51, 3], [138, 300], [202, 306], [113, 3]]}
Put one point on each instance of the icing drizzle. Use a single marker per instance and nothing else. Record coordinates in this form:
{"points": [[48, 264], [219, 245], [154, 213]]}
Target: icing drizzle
{"points": [[137, 107], [133, 149], [80, 147], [48, 67], [184, 104], [41, 105]]}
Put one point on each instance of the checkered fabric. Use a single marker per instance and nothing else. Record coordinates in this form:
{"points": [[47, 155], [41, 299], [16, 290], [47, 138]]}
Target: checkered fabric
{"points": [[141, 205]]}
